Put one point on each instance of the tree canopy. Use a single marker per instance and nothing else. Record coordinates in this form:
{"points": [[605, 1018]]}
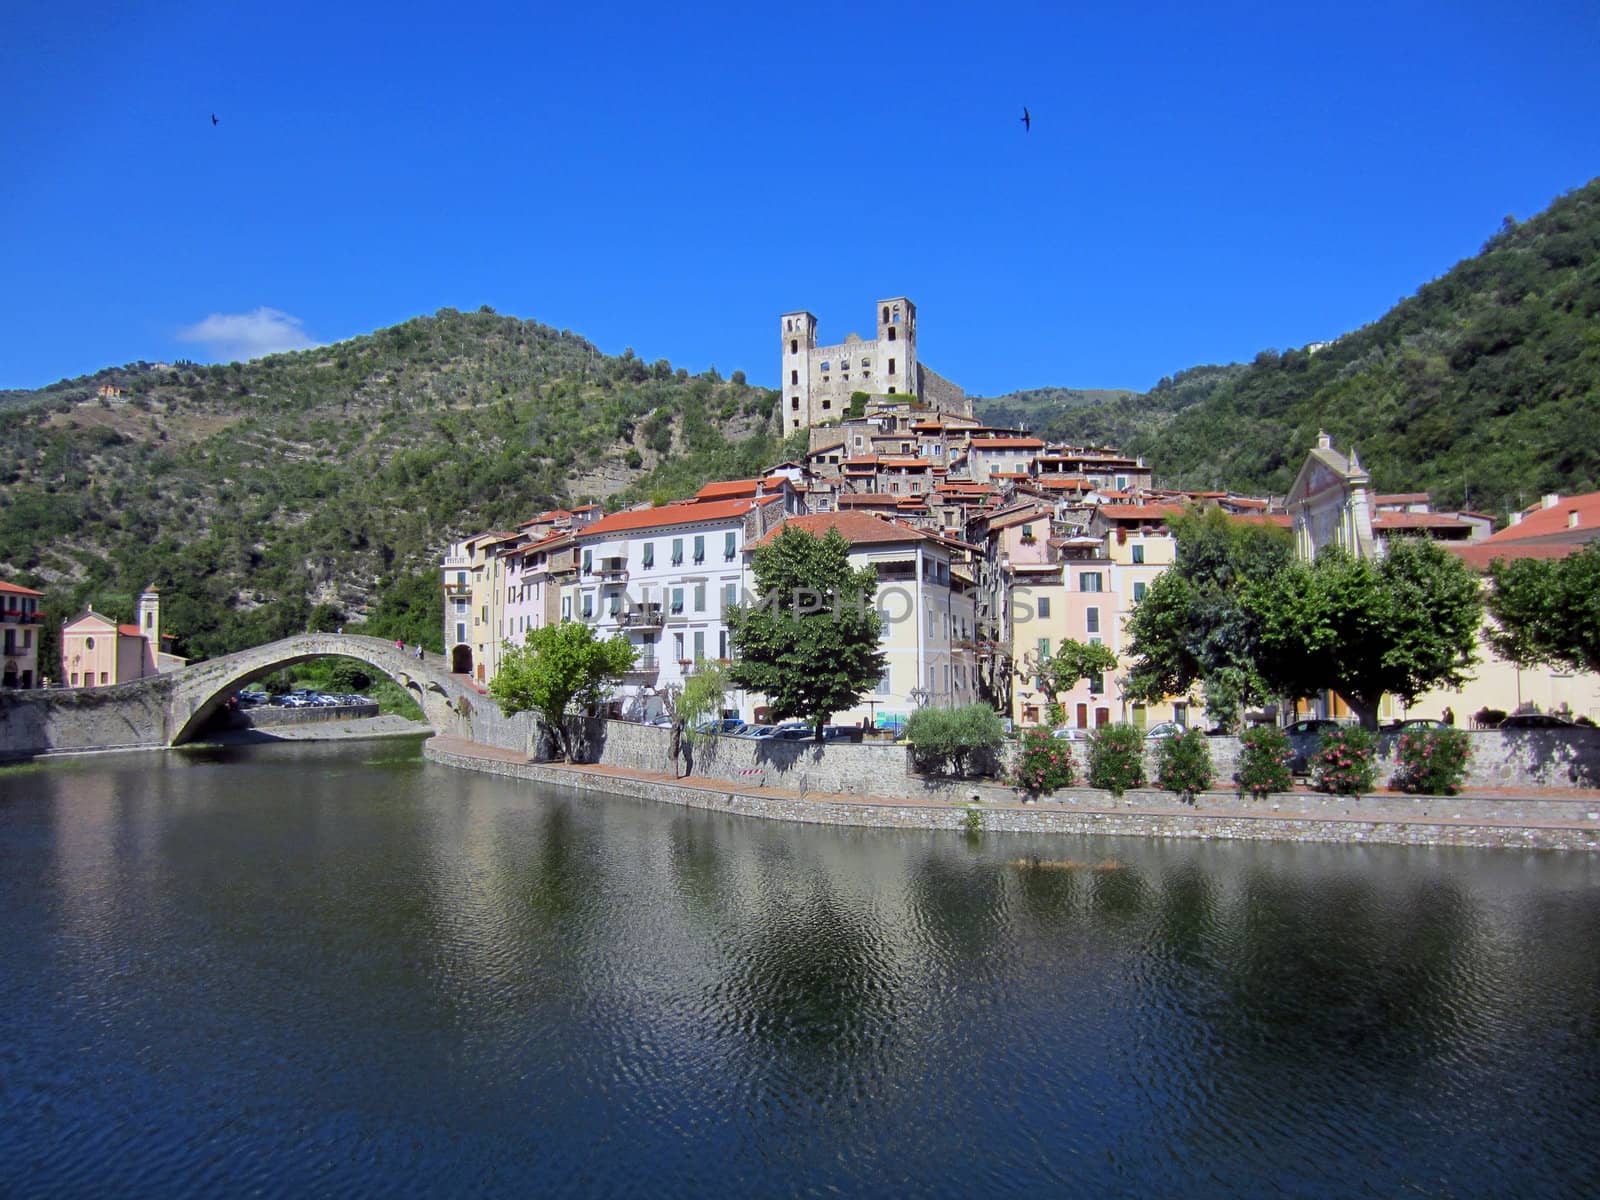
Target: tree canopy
{"points": [[558, 668], [1365, 629], [810, 639], [1547, 611], [1067, 665], [1194, 625]]}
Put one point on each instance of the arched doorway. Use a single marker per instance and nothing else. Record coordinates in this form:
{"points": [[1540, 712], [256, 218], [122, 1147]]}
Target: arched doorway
{"points": [[461, 660]]}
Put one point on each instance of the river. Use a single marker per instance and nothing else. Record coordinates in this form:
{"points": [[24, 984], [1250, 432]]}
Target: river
{"points": [[319, 970]]}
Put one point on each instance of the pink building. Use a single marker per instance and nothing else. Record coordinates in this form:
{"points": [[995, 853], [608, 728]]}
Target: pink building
{"points": [[22, 623], [97, 651]]}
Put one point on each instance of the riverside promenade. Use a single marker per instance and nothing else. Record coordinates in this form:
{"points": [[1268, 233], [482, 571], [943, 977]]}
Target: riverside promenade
{"points": [[1510, 818]]}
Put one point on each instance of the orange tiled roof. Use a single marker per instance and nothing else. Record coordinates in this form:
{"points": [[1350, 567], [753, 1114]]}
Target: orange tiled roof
{"points": [[1411, 520], [1006, 443], [739, 487], [855, 528], [16, 589], [1140, 512], [1555, 523], [690, 512], [1478, 555]]}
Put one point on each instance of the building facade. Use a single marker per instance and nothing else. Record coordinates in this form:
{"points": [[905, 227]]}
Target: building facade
{"points": [[22, 622], [98, 652]]}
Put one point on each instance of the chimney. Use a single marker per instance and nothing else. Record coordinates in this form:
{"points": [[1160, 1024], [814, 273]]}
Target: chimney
{"points": [[1324, 442], [1572, 518], [1516, 517], [1551, 499]]}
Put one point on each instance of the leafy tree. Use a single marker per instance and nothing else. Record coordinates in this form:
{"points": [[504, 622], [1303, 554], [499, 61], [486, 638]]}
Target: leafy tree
{"points": [[1367, 629], [702, 695], [1062, 671], [952, 734], [1194, 625], [810, 640], [1547, 611], [557, 668]]}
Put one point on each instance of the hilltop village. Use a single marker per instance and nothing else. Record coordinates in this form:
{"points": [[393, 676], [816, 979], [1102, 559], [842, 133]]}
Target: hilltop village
{"points": [[991, 547]]}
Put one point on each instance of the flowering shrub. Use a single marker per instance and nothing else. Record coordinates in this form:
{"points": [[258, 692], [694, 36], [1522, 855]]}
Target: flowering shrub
{"points": [[1116, 758], [1346, 763], [1183, 764], [1044, 763], [1433, 761], [1264, 763]]}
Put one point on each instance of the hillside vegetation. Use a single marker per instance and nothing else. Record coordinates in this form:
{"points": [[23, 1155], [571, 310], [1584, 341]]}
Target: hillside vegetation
{"points": [[1483, 388], [265, 496]]}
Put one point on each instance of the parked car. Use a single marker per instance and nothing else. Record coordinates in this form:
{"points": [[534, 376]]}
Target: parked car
{"points": [[758, 731], [1068, 733], [1164, 729], [841, 733], [1311, 725], [1412, 725], [792, 734], [1535, 721]]}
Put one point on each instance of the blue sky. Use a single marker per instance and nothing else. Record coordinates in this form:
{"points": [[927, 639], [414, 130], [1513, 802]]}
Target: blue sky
{"points": [[1200, 181]]}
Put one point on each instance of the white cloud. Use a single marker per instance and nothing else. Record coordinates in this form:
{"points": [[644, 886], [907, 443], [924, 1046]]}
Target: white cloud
{"points": [[241, 336]]}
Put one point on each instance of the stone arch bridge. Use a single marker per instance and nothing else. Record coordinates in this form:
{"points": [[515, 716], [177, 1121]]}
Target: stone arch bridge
{"points": [[170, 709]]}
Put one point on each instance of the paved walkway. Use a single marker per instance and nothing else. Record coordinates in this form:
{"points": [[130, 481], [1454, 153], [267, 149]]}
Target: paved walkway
{"points": [[469, 749]]}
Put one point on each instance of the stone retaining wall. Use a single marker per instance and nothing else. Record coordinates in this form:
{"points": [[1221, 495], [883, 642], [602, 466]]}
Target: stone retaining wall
{"points": [[1414, 828], [1525, 758], [266, 716]]}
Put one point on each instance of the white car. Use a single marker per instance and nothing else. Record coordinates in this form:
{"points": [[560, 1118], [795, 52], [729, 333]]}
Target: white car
{"points": [[1068, 733]]}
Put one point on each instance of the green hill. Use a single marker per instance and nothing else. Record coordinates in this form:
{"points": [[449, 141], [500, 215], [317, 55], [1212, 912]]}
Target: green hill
{"points": [[1483, 388], [253, 493]]}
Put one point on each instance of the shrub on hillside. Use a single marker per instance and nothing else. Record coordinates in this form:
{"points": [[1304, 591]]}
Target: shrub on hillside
{"points": [[1265, 755], [943, 737], [1044, 763], [1346, 763], [1432, 761], [1183, 764], [1116, 758]]}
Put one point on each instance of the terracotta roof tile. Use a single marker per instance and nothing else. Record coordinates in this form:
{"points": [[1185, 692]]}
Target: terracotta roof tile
{"points": [[663, 516], [16, 589]]}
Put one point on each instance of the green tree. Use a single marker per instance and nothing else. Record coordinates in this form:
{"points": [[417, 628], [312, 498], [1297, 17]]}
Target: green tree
{"points": [[1547, 611], [559, 668], [810, 640], [950, 735], [1194, 625], [1070, 663], [1368, 629], [702, 695]]}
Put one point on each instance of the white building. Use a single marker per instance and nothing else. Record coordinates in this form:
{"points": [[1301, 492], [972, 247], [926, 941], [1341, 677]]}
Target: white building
{"points": [[665, 577]]}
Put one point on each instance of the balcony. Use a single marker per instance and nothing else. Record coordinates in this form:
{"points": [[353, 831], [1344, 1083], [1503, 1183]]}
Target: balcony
{"points": [[614, 569], [457, 589], [644, 669], [12, 616], [642, 616]]}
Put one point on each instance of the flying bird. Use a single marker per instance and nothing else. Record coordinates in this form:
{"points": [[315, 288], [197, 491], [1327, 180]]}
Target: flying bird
{"points": [[213, 118], [1027, 121]]}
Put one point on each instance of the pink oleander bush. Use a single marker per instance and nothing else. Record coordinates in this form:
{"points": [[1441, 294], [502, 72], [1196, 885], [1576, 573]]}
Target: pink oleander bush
{"points": [[1116, 758], [1264, 761], [1432, 761], [1183, 764], [1346, 763], [1043, 764]]}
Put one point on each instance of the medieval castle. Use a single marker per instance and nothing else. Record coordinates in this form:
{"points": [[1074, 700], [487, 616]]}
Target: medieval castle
{"points": [[818, 381]]}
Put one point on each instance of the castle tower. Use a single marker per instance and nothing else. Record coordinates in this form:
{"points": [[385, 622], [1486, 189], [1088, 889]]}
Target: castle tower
{"points": [[896, 371], [150, 618], [799, 334]]}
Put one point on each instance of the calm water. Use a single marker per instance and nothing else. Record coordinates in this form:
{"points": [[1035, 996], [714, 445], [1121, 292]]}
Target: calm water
{"points": [[298, 971]]}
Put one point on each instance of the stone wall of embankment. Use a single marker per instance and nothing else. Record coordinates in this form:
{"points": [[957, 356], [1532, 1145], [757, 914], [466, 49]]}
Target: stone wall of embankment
{"points": [[1427, 821]]}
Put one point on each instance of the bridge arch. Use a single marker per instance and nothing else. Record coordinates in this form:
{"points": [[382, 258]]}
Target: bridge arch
{"points": [[203, 688]]}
